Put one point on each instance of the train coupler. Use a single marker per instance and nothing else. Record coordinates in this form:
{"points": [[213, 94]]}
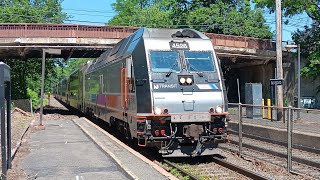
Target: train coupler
{"points": [[193, 131]]}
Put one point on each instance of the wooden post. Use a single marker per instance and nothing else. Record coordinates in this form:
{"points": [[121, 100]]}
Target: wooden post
{"points": [[279, 60]]}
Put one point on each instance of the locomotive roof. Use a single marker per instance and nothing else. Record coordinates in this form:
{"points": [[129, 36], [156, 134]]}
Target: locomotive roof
{"points": [[172, 33], [100, 61], [125, 47]]}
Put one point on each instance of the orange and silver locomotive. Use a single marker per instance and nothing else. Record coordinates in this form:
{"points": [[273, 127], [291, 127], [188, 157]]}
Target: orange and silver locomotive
{"points": [[160, 87]]}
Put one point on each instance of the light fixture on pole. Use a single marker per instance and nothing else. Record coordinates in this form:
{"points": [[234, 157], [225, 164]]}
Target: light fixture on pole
{"points": [[296, 46], [44, 51]]}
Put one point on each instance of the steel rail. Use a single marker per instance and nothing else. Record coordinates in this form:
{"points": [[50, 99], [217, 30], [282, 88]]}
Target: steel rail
{"points": [[278, 154], [280, 143], [185, 173], [272, 155], [239, 169]]}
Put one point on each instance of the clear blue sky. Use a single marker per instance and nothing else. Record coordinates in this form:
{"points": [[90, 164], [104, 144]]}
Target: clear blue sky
{"points": [[94, 12], [98, 12]]}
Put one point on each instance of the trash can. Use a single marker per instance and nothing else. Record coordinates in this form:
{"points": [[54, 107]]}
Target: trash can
{"points": [[253, 96]]}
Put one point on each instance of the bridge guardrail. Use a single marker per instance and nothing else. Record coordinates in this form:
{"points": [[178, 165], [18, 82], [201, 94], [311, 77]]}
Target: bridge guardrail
{"points": [[8, 30], [64, 31]]}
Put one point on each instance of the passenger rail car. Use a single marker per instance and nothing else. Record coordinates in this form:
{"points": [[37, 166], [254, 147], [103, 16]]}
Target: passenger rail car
{"points": [[160, 87]]}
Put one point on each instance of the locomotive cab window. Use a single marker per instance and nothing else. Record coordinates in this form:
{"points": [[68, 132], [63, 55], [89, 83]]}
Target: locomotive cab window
{"points": [[199, 61], [165, 61]]}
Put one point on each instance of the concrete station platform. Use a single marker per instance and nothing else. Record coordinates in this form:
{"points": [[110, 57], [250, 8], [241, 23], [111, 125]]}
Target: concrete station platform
{"points": [[304, 134], [74, 148]]}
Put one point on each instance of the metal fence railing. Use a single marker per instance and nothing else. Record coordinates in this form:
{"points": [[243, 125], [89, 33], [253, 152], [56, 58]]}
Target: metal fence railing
{"points": [[295, 138], [86, 31]]}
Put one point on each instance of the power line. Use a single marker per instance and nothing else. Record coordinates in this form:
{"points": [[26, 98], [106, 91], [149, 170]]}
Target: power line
{"points": [[94, 15], [85, 10], [83, 21]]}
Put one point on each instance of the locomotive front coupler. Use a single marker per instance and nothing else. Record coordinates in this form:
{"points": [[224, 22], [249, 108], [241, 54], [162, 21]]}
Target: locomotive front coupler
{"points": [[193, 131]]}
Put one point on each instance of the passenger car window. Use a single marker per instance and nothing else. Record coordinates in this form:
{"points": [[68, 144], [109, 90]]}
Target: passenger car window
{"points": [[199, 61], [165, 61]]}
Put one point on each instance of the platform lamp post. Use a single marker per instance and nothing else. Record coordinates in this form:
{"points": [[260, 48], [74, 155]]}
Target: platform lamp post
{"points": [[296, 46], [44, 51]]}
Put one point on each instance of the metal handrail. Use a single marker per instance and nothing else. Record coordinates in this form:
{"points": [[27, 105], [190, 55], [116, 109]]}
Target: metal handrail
{"points": [[274, 107]]}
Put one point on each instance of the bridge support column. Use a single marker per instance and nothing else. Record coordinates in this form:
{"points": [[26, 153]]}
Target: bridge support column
{"points": [[44, 51]]}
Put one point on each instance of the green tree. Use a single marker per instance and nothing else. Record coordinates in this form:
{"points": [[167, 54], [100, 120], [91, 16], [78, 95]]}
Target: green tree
{"points": [[31, 11], [64, 68], [293, 7], [308, 38], [26, 73], [233, 17], [139, 13]]}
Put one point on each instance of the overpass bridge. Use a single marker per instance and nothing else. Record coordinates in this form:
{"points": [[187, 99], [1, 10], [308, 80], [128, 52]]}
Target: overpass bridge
{"points": [[246, 58], [27, 41]]}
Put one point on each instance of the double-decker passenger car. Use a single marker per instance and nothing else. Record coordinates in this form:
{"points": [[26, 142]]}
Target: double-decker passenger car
{"points": [[160, 87]]}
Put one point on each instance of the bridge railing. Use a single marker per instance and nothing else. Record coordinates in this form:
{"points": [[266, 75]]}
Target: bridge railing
{"points": [[64, 31], [241, 42], [115, 32]]}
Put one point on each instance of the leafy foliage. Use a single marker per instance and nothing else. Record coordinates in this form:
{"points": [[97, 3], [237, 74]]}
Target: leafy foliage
{"points": [[135, 13], [31, 11], [308, 38], [233, 17], [34, 97], [26, 73], [293, 7], [65, 68]]}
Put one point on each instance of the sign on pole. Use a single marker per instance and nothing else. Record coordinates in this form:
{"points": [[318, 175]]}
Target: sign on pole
{"points": [[276, 82]]}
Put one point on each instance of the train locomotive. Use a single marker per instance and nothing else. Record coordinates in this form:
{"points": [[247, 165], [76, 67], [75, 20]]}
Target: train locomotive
{"points": [[161, 88]]}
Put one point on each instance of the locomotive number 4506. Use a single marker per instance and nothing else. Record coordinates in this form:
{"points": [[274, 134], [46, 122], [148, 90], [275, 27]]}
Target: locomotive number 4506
{"points": [[191, 118]]}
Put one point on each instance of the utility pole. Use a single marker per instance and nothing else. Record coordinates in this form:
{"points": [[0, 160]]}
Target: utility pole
{"points": [[299, 82], [279, 60]]}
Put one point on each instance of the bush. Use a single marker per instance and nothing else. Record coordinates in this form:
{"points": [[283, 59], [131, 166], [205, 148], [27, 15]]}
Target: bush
{"points": [[34, 97]]}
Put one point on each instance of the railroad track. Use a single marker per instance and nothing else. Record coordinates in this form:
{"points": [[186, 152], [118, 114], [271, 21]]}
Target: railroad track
{"points": [[303, 162], [211, 167], [214, 167]]}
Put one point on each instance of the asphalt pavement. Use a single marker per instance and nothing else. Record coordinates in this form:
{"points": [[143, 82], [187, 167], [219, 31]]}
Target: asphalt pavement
{"points": [[63, 151]]}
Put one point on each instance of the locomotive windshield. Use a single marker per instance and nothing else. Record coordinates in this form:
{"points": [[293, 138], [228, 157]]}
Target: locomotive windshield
{"points": [[165, 61], [199, 61]]}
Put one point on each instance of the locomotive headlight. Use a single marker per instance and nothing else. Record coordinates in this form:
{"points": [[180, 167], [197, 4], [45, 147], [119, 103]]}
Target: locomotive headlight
{"points": [[157, 111], [189, 80], [219, 109], [182, 80]]}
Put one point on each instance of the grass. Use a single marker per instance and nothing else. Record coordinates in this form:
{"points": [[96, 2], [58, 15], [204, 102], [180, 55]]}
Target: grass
{"points": [[188, 168], [175, 172], [192, 169]]}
